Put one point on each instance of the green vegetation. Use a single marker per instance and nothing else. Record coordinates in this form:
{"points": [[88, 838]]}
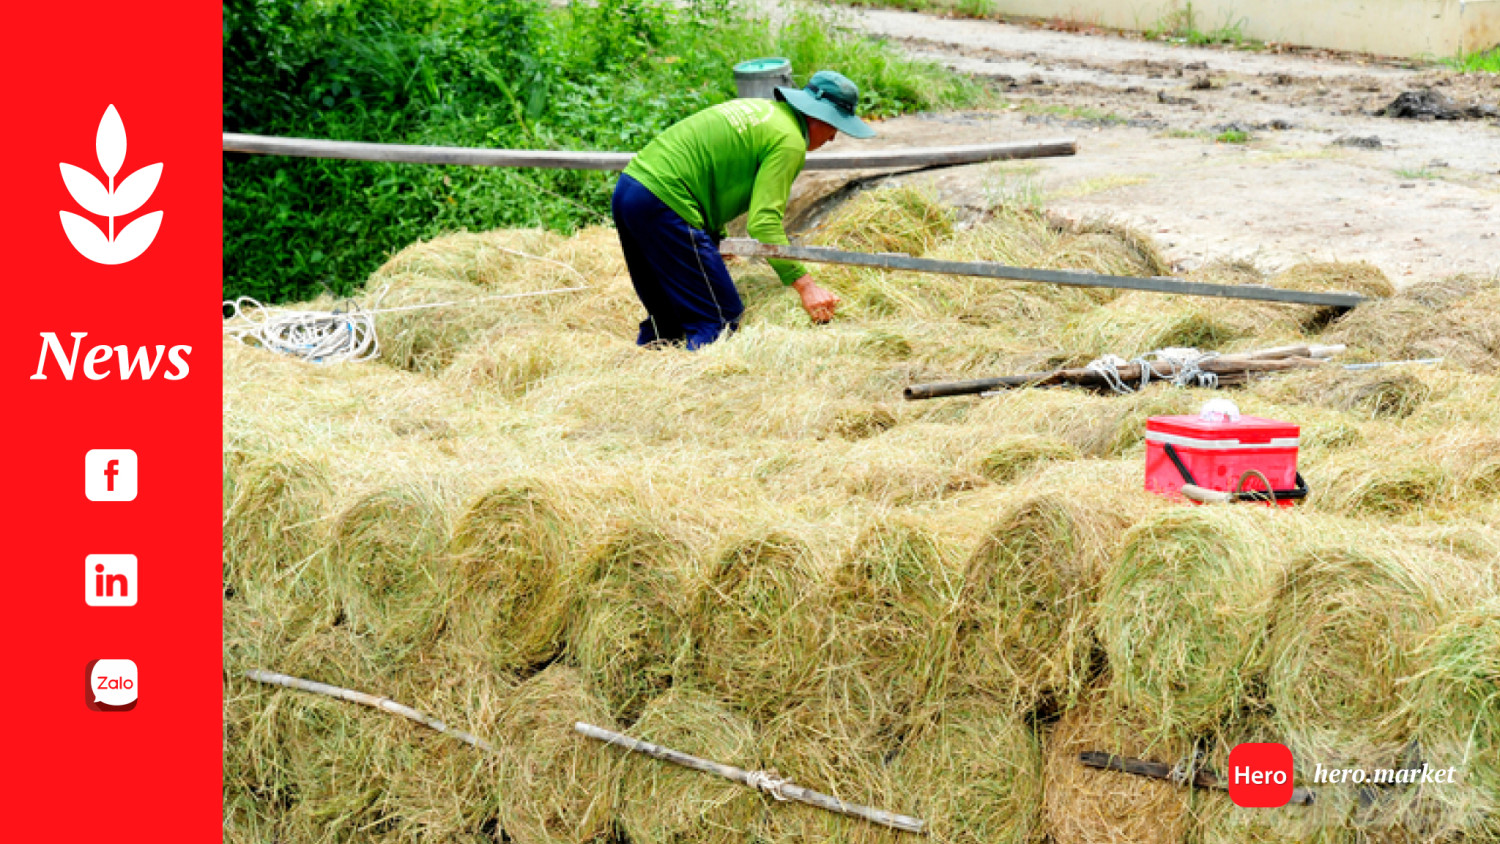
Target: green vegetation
{"points": [[1487, 61], [1181, 25], [1232, 136], [1422, 173], [480, 73]]}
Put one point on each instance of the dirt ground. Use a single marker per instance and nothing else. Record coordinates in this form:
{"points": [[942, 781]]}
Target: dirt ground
{"points": [[1322, 177]]}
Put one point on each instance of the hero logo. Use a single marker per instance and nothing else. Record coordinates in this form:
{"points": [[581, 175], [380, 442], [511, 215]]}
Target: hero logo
{"points": [[96, 361], [1260, 774], [111, 201]]}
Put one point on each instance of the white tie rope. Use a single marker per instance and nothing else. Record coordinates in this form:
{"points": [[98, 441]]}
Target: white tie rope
{"points": [[1185, 365], [761, 780]]}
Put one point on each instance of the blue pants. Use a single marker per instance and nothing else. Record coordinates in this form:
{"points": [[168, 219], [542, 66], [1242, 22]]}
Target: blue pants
{"points": [[676, 270]]}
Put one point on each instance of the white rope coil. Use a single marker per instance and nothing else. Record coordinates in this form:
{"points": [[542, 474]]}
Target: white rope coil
{"points": [[347, 333], [769, 783]]}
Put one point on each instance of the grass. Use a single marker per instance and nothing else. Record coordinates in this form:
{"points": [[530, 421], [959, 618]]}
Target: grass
{"points": [[517, 519], [1182, 26], [474, 73], [1418, 173], [1484, 61], [1232, 136]]}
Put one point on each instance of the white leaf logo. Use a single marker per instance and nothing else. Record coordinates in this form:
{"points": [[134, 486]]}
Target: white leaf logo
{"points": [[110, 201]]}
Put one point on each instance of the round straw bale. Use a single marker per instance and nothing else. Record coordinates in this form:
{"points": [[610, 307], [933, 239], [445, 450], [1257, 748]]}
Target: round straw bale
{"points": [[892, 620], [556, 783], [1086, 805], [1338, 277], [662, 803], [1182, 613], [975, 775], [1339, 640], [1015, 456], [1030, 588], [426, 340], [305, 767], [510, 553], [1112, 247], [1452, 702], [902, 219], [388, 566], [451, 791], [630, 634], [756, 623], [1344, 277], [511, 360], [1454, 320], [822, 748], [1397, 479], [1217, 820], [273, 515]]}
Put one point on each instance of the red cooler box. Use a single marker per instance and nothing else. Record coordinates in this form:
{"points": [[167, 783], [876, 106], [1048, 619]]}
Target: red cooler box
{"points": [[1215, 454]]}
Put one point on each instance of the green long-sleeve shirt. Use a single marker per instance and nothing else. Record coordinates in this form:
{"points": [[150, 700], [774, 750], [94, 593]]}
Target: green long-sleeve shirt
{"points": [[725, 160]]}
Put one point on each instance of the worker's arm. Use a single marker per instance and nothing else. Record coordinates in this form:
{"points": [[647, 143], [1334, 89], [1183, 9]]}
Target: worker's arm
{"points": [[773, 184]]}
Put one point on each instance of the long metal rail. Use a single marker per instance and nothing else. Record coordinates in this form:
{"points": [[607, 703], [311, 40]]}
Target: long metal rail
{"points": [[874, 159], [748, 248]]}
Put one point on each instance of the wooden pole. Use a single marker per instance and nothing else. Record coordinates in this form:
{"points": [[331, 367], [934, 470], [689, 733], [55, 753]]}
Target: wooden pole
{"points": [[1230, 369], [921, 157], [778, 788], [747, 248], [1160, 771], [383, 703]]}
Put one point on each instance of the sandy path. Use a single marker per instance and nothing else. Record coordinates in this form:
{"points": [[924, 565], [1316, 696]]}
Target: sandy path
{"points": [[1425, 204]]}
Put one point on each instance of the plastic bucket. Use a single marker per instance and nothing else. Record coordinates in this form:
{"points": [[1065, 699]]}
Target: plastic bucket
{"points": [[759, 78]]}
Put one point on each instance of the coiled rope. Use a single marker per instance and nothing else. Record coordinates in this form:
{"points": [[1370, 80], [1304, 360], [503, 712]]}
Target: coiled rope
{"points": [[1186, 365], [347, 333]]}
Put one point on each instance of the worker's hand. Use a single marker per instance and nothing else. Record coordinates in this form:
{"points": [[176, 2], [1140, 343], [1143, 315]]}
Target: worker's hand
{"points": [[819, 303]]}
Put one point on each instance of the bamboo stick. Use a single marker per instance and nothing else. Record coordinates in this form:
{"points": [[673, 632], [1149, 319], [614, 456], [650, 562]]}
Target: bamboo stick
{"points": [[749, 248], [921, 157], [1230, 369], [1160, 771], [778, 788], [383, 703]]}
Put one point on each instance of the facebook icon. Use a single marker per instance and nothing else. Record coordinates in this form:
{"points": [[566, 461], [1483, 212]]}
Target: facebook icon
{"points": [[109, 474]]}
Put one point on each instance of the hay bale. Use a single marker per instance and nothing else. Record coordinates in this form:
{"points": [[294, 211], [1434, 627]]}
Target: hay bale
{"points": [[974, 775], [661, 803], [1452, 702], [756, 623], [273, 513], [891, 622], [1359, 277], [556, 784], [1182, 613], [513, 360], [510, 553], [1340, 636], [629, 634], [1216, 820], [1030, 588], [1398, 479], [387, 566], [1340, 277], [1453, 319], [1085, 805], [820, 747], [1015, 456], [901, 219]]}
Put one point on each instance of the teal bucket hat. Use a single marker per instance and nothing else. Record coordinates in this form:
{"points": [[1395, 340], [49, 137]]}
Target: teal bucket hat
{"points": [[831, 98]]}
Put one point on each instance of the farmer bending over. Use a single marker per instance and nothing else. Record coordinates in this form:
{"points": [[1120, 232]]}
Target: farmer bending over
{"points": [[672, 202]]}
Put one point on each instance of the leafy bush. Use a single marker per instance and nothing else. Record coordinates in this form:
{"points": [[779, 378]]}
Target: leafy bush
{"points": [[607, 75]]}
